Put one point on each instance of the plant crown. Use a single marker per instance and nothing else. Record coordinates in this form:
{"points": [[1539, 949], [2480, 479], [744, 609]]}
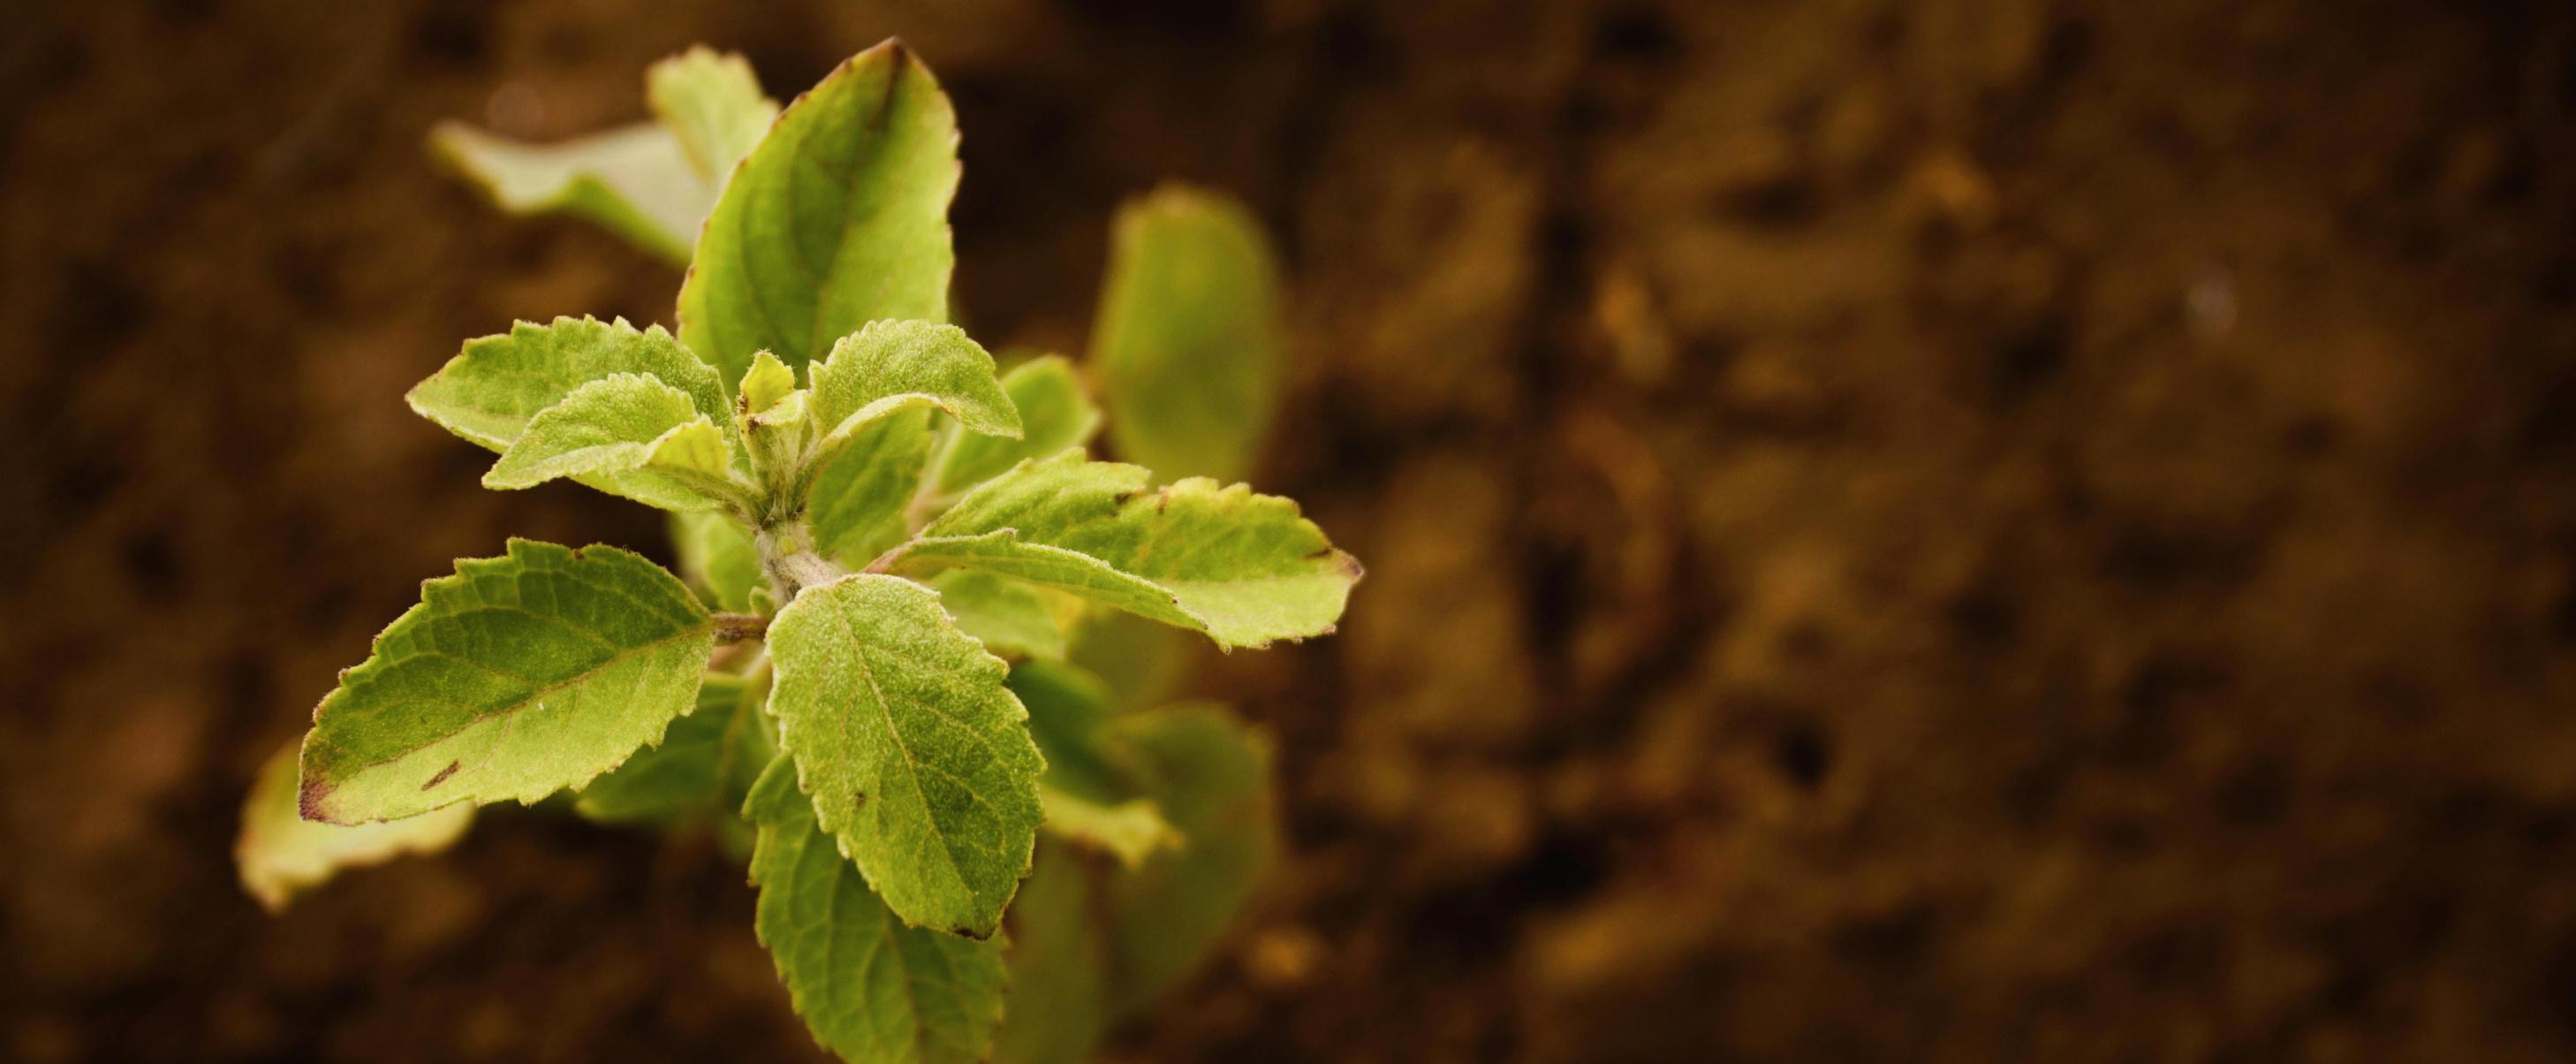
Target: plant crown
{"points": [[888, 551]]}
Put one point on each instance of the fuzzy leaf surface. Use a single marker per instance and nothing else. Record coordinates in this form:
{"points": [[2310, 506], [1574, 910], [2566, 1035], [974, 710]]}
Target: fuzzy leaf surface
{"points": [[1246, 569], [280, 854], [711, 103], [918, 760], [1187, 341], [1056, 413], [889, 366], [636, 180], [493, 388], [872, 989], [627, 434], [705, 765], [857, 501], [513, 679], [837, 218]]}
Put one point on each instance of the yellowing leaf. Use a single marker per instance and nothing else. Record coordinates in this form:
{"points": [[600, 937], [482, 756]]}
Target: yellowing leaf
{"points": [[711, 103], [281, 854], [635, 180]]}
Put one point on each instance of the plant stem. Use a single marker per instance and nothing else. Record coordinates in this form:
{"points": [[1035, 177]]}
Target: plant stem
{"points": [[738, 627], [787, 556]]}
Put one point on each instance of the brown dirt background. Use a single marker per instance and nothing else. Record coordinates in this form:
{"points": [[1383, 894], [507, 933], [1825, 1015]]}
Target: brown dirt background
{"points": [[1898, 529]]}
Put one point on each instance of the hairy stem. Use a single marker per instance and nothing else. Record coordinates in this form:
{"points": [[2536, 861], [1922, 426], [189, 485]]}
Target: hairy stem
{"points": [[787, 556]]}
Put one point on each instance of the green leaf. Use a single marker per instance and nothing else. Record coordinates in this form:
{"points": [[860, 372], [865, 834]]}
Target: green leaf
{"points": [[492, 389], [1187, 341], [1246, 569], [1211, 776], [1006, 615], [515, 678], [635, 180], [918, 759], [857, 503], [872, 989], [717, 558], [768, 381], [704, 766], [1055, 413], [1086, 799], [839, 217], [1143, 663], [1131, 831], [889, 366], [712, 104], [627, 434], [281, 854], [1058, 967]]}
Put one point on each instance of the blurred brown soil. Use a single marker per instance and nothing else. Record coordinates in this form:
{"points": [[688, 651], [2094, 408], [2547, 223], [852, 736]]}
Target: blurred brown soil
{"points": [[1898, 529]]}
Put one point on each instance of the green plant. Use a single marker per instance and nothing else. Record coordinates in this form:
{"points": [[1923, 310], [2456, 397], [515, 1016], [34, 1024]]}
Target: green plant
{"points": [[869, 518]]}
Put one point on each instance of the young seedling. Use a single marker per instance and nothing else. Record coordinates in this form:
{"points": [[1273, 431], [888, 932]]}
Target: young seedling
{"points": [[871, 520]]}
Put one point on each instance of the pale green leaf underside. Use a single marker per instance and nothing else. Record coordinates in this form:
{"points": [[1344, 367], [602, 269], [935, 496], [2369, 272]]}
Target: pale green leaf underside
{"points": [[627, 433], [513, 679], [1187, 342], [635, 180], [917, 758], [712, 104], [888, 366], [496, 385], [857, 502], [704, 766], [717, 558], [839, 217], [1246, 569], [280, 854], [1006, 615], [1055, 411], [872, 989], [1131, 830]]}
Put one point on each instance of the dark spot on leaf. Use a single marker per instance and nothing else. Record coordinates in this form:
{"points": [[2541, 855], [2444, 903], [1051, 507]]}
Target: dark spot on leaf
{"points": [[309, 798], [859, 800], [443, 773]]}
